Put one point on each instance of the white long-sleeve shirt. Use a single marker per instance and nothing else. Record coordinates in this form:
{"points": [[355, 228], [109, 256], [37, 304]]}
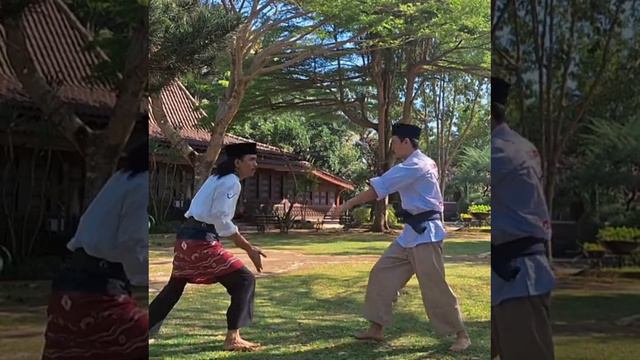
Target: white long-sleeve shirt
{"points": [[215, 203], [518, 209], [115, 225], [416, 180]]}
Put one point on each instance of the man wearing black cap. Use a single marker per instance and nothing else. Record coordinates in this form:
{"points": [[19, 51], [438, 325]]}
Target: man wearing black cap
{"points": [[418, 250], [199, 256], [521, 277]]}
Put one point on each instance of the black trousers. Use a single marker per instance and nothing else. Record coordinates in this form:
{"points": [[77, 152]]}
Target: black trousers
{"points": [[240, 284]]}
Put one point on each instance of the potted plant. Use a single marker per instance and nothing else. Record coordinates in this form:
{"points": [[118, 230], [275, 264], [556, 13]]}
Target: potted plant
{"points": [[593, 250], [466, 218], [480, 212], [620, 240]]}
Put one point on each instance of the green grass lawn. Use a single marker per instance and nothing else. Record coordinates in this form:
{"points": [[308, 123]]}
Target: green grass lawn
{"points": [[311, 313], [585, 318], [346, 243], [22, 318]]}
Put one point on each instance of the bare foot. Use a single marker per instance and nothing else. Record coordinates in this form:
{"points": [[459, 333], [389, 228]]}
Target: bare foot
{"points": [[462, 342], [234, 342], [240, 345], [375, 332]]}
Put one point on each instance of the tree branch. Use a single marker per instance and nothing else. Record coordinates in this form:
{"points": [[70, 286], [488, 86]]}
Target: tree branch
{"points": [[130, 91], [174, 137], [36, 87]]}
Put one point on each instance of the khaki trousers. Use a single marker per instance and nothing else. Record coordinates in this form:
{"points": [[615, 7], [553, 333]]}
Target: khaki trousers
{"points": [[521, 329], [394, 269]]}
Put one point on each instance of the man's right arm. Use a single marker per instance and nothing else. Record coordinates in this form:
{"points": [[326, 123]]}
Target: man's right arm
{"points": [[254, 252]]}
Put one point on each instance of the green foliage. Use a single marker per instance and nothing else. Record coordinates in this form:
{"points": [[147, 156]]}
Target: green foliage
{"points": [[591, 97], [619, 234], [480, 209], [589, 247], [112, 23], [186, 36], [471, 174], [361, 215], [329, 145], [392, 218]]}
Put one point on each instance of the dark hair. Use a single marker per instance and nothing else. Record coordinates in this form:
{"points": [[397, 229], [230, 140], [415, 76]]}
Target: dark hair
{"points": [[227, 166], [414, 142], [498, 112], [138, 159]]}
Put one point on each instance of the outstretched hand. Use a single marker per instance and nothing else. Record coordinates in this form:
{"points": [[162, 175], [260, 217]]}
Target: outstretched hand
{"points": [[255, 254]]}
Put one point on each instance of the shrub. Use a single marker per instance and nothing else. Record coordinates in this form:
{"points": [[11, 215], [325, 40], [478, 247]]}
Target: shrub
{"points": [[360, 215], [592, 247], [619, 234], [479, 208], [392, 219]]}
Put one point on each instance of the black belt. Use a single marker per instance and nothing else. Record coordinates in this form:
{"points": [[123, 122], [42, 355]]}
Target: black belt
{"points": [[80, 260], [503, 255], [419, 221], [87, 273], [193, 229]]}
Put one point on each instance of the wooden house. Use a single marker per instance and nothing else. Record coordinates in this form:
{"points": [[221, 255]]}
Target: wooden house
{"points": [[273, 186]]}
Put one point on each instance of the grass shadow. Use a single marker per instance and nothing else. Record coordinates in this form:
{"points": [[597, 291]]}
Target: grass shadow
{"points": [[312, 315]]}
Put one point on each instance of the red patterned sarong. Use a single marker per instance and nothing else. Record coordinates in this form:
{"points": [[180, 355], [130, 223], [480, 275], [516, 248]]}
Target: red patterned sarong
{"points": [[203, 262], [96, 327]]}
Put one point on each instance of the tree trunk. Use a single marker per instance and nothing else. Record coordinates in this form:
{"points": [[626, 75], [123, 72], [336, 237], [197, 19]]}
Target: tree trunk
{"points": [[101, 152], [201, 171], [97, 171], [380, 223], [228, 107], [382, 66]]}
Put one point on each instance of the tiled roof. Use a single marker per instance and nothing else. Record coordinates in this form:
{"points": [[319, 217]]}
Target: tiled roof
{"points": [[57, 43], [181, 111]]}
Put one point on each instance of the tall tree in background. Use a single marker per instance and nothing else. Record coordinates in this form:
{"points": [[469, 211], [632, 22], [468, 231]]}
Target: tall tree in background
{"points": [[558, 53], [405, 44], [272, 35], [363, 62], [453, 114], [187, 36]]}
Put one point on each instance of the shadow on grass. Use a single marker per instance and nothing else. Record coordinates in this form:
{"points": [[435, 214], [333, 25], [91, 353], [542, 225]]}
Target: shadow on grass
{"points": [[336, 244], [583, 312], [307, 317]]}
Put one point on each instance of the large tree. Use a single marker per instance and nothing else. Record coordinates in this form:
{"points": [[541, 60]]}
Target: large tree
{"points": [[404, 46], [271, 35], [558, 54], [123, 67]]}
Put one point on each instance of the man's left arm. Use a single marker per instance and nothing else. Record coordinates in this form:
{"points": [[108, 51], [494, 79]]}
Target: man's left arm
{"points": [[391, 181], [361, 198]]}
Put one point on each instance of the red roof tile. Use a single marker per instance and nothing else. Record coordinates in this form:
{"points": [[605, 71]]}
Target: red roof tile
{"points": [[57, 43], [181, 111]]}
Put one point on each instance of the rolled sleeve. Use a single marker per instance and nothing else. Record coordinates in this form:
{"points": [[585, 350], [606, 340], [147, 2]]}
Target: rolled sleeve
{"points": [[224, 207], [378, 185], [395, 178]]}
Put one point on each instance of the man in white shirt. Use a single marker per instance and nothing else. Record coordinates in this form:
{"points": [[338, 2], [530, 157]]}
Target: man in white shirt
{"points": [[92, 313], [418, 250], [200, 257], [521, 276]]}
